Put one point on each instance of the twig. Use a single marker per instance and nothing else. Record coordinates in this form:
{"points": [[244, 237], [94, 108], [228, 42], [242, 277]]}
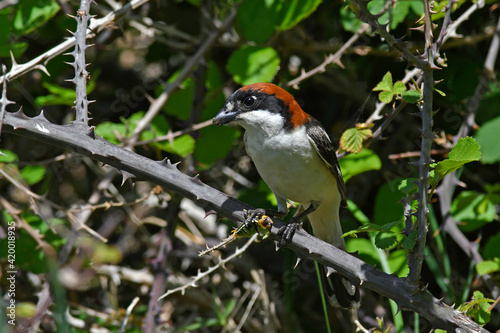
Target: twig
{"points": [[52, 204], [4, 101], [173, 135], [158, 103], [96, 25], [201, 274], [369, 18], [331, 59], [81, 75], [257, 288], [127, 314]]}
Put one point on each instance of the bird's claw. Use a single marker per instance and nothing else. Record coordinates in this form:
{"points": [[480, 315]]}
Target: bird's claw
{"points": [[286, 232]]}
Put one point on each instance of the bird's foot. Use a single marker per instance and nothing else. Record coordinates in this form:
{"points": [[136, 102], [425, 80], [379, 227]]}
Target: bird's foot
{"points": [[287, 231]]}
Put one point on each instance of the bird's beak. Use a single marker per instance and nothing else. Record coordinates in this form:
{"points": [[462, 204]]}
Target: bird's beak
{"points": [[224, 117]]}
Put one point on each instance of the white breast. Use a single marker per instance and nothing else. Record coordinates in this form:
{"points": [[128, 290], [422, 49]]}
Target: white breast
{"points": [[290, 165]]}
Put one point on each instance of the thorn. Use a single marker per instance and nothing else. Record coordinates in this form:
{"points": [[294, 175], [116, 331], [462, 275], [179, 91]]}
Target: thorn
{"points": [[297, 262], [14, 63], [90, 132], [42, 68], [126, 175], [41, 117], [196, 180], [330, 271], [208, 213]]}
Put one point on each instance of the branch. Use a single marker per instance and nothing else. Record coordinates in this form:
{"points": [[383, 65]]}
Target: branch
{"points": [[165, 174], [96, 25], [416, 257], [158, 103], [366, 16], [331, 59], [81, 75]]}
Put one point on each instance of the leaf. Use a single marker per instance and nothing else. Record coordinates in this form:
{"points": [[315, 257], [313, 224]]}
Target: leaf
{"points": [[398, 263], [410, 241], [385, 239], [385, 96], [31, 14], [473, 210], [408, 186], [491, 249], [7, 156], [466, 150], [355, 164], [385, 84], [488, 266], [411, 96], [251, 64], [352, 139], [294, 11], [111, 132], [180, 102], [32, 174], [182, 145], [478, 308], [214, 143], [398, 88], [266, 10], [487, 137]]}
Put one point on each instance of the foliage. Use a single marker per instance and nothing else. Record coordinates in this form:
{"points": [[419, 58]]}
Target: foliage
{"points": [[89, 241]]}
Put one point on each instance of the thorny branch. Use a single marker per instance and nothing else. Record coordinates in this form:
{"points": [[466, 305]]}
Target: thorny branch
{"points": [[81, 75], [96, 26], [165, 174]]}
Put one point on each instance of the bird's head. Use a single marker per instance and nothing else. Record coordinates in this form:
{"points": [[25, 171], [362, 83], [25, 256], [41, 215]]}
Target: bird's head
{"points": [[262, 105]]}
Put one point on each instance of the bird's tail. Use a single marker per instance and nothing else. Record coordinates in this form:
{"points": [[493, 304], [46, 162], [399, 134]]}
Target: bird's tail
{"points": [[340, 291]]}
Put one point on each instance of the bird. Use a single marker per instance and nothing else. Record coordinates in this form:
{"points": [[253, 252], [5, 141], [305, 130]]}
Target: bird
{"points": [[296, 158]]}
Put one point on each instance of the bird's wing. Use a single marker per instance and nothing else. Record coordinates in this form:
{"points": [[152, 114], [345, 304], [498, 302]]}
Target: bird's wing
{"points": [[326, 151]]}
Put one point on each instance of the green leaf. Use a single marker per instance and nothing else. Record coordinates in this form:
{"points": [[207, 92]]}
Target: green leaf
{"points": [[180, 102], [487, 137], [7, 156], [440, 92], [398, 263], [214, 143], [111, 132], [466, 150], [385, 239], [31, 14], [488, 266], [266, 10], [408, 186], [352, 139], [411, 96], [32, 174], [364, 248], [251, 64], [355, 164], [491, 249], [385, 84], [387, 203], [473, 210], [182, 145], [385, 96], [398, 88], [478, 308], [294, 11], [410, 241]]}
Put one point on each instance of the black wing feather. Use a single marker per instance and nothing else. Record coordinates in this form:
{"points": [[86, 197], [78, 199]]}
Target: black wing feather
{"points": [[326, 150]]}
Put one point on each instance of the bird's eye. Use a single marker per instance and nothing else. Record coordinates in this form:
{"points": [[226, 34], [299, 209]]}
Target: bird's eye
{"points": [[249, 101]]}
